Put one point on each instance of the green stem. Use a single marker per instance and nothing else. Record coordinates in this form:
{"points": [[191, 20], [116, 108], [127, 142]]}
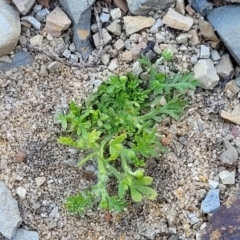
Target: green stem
{"points": [[90, 156], [114, 171]]}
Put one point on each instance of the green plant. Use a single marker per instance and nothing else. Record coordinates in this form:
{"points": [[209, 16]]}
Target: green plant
{"points": [[117, 128]]}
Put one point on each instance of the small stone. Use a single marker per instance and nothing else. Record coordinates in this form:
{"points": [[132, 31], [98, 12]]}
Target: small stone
{"points": [[136, 23], [116, 13], [22, 234], [231, 88], [211, 201], [234, 116], [151, 56], [3, 164], [201, 6], [172, 230], [194, 39], [37, 8], [183, 38], [194, 59], [122, 4], [54, 66], [171, 217], [235, 132], [157, 49], [212, 184], [104, 17], [5, 59], [227, 177], [23, 40], [21, 192], [40, 180], [105, 58], [215, 55], [175, 20], [33, 21], [135, 37], [119, 45], [41, 15], [137, 69], [24, 6], [127, 56], [72, 47], [205, 52], [54, 213], [50, 223], [43, 71], [230, 155], [66, 53], [20, 156], [114, 28], [156, 26], [180, 6], [57, 22], [113, 65], [159, 38], [36, 40], [224, 66], [190, 10], [94, 27], [205, 72], [106, 38], [74, 58]]}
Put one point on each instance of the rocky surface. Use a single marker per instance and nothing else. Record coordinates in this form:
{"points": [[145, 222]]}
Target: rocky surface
{"points": [[198, 175]]}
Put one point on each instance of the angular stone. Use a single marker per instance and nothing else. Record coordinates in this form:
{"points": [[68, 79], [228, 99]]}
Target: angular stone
{"points": [[175, 20], [122, 4], [201, 6], [21, 192], [80, 14], [104, 17], [113, 65], [213, 184], [194, 39], [234, 116], [33, 21], [116, 13], [137, 69], [231, 88], [205, 52], [119, 45], [205, 72], [22, 234], [57, 22], [127, 56], [106, 38], [180, 6], [10, 216], [224, 223], [143, 7], [105, 58], [207, 31], [40, 16], [156, 26], [136, 23], [226, 28], [183, 38], [227, 177], [224, 67], [114, 28], [211, 201], [40, 181], [24, 6], [190, 10], [215, 55], [36, 40], [10, 28], [229, 156]]}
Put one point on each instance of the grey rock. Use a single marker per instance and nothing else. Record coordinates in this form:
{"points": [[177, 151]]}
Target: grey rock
{"points": [[230, 155], [227, 177], [211, 201], [156, 26], [205, 52], [183, 38], [54, 66], [119, 45], [105, 58], [66, 53], [5, 59], [143, 7], [224, 20], [40, 15], [74, 58], [205, 72], [10, 28], [116, 13], [231, 89], [24, 6], [213, 184], [43, 71], [20, 59], [10, 217], [237, 80], [21, 192], [215, 55], [80, 14], [106, 38], [201, 6], [22, 234], [113, 65], [114, 28], [137, 69], [37, 8], [33, 21], [94, 27], [50, 223], [54, 213], [224, 67], [151, 55], [72, 47], [104, 17]]}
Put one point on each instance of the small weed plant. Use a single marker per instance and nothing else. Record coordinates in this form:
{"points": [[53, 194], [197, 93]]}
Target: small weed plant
{"points": [[116, 127]]}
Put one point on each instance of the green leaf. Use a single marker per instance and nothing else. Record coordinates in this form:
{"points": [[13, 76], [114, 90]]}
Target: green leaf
{"points": [[146, 181], [136, 196], [67, 141], [147, 192]]}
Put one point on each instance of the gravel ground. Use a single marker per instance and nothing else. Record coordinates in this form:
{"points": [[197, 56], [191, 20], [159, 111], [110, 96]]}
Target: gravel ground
{"points": [[28, 103]]}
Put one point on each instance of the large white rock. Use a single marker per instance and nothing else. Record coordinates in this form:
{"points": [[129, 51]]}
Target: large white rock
{"points": [[206, 73], [10, 28]]}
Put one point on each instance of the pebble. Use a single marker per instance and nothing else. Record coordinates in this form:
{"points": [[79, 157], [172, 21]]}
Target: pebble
{"points": [[22, 234], [20, 156], [131, 23], [234, 116], [36, 40], [33, 21], [116, 13], [137, 69], [227, 177], [43, 71], [50, 223], [104, 17], [119, 45], [113, 65], [180, 6], [156, 26], [213, 184], [159, 38], [106, 38], [205, 52], [215, 55], [40, 180], [201, 6], [54, 66], [41, 15], [37, 8], [127, 56], [66, 53], [105, 58], [231, 89], [54, 213], [205, 72], [115, 28], [183, 38], [21, 192], [175, 20], [211, 201], [224, 66], [194, 40]]}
